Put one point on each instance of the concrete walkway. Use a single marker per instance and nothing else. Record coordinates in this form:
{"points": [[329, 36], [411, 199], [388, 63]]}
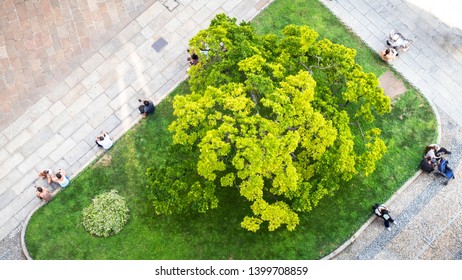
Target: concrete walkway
{"points": [[428, 213], [146, 59]]}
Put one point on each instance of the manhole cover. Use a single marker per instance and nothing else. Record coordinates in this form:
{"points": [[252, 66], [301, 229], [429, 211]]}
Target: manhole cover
{"points": [[170, 4], [159, 44]]}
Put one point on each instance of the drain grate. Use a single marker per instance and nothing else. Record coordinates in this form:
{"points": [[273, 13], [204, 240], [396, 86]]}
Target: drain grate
{"points": [[170, 4], [159, 44]]}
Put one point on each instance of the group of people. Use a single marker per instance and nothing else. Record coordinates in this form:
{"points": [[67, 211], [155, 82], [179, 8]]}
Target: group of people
{"points": [[395, 42], [103, 140], [59, 178], [432, 157]]}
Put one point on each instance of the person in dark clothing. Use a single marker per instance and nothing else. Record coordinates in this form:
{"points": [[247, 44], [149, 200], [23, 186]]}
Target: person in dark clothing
{"points": [[427, 164], [193, 58], [383, 212], [146, 108]]}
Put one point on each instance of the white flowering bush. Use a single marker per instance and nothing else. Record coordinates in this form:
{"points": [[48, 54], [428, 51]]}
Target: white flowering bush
{"points": [[107, 215]]}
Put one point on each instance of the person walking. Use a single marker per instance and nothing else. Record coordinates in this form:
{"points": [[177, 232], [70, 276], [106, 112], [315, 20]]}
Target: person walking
{"points": [[383, 212]]}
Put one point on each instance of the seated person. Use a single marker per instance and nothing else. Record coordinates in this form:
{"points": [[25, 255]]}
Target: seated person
{"points": [[104, 140], [204, 50], [43, 194], [435, 151], [427, 165], [193, 58], [61, 178], [46, 174], [389, 54], [146, 108]]}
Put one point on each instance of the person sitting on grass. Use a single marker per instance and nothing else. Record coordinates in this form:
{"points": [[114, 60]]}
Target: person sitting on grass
{"points": [[193, 58]]}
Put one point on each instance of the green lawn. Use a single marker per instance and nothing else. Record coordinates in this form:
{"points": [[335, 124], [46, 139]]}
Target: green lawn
{"points": [[55, 231]]}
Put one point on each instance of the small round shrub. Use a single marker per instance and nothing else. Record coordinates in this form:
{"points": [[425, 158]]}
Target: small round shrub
{"points": [[107, 215]]}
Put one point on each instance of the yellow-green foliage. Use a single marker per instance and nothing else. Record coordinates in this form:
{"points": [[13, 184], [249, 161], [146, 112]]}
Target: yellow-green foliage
{"points": [[272, 117]]}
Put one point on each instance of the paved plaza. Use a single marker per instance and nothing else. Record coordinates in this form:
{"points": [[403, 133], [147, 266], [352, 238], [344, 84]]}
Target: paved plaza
{"points": [[69, 69]]}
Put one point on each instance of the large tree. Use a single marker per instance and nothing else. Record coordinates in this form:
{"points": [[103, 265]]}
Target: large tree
{"points": [[271, 117]]}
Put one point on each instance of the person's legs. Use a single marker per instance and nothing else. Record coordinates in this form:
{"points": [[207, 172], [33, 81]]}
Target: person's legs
{"points": [[98, 144], [443, 150], [386, 223]]}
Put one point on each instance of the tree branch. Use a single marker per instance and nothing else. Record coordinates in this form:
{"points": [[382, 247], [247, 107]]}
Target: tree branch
{"points": [[360, 129]]}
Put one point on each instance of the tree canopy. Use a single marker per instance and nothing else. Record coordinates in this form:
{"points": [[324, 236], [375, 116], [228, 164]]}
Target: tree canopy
{"points": [[271, 117]]}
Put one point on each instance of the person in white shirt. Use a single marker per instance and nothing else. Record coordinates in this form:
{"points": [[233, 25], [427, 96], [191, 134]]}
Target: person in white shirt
{"points": [[104, 140]]}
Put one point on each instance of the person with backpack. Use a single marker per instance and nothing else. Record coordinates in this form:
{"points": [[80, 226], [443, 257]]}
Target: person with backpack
{"points": [[383, 212]]}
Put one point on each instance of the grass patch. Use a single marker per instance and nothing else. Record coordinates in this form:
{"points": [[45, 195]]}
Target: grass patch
{"points": [[55, 231]]}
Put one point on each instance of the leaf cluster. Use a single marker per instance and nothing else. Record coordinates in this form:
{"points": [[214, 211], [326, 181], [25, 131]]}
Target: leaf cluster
{"points": [[106, 215], [271, 116]]}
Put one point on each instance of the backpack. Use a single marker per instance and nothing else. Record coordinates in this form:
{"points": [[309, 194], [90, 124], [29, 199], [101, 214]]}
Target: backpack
{"points": [[442, 166], [377, 211]]}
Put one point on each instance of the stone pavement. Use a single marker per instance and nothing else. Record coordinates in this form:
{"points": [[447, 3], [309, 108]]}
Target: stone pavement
{"points": [[428, 213], [436, 54], [82, 70], [42, 42]]}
